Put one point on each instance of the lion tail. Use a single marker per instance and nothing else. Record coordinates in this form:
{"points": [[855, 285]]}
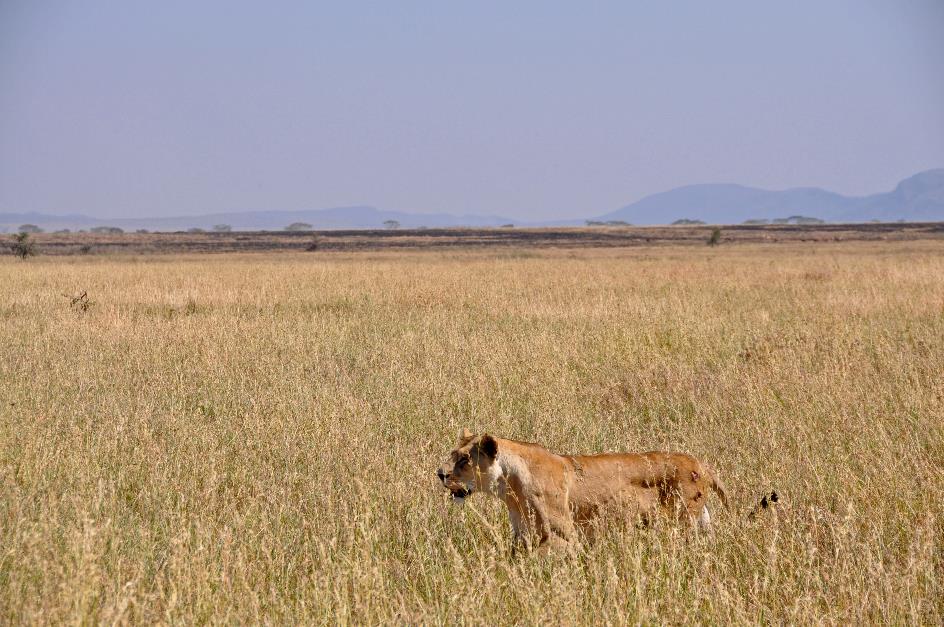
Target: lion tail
{"points": [[716, 485]]}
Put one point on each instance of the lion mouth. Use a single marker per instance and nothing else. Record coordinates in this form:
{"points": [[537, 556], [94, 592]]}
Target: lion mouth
{"points": [[461, 493]]}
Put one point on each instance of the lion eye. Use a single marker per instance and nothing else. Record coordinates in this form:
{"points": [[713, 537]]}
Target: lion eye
{"points": [[462, 463]]}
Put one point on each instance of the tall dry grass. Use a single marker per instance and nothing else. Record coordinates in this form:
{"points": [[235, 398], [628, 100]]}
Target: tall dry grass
{"points": [[253, 438]]}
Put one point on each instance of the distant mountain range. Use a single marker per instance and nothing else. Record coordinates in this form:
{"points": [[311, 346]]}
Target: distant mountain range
{"points": [[919, 198], [916, 199]]}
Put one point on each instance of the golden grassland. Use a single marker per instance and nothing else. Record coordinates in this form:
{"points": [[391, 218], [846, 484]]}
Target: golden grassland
{"points": [[253, 438]]}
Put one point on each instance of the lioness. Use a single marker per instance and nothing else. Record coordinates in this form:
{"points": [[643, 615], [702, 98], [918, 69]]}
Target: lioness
{"points": [[550, 496]]}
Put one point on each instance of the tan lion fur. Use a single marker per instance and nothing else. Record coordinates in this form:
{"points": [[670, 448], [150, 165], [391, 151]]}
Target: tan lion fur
{"points": [[551, 496]]}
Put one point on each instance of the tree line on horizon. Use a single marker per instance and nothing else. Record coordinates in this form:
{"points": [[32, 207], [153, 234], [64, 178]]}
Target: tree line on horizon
{"points": [[696, 222], [33, 229], [296, 227]]}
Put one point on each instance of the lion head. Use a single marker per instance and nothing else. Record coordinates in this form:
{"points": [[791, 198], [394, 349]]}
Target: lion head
{"points": [[471, 466]]}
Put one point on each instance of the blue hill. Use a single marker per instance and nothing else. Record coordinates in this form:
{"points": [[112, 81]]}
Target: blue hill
{"points": [[919, 198]]}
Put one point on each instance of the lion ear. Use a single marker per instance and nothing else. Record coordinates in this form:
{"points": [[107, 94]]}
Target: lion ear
{"points": [[465, 435], [488, 446]]}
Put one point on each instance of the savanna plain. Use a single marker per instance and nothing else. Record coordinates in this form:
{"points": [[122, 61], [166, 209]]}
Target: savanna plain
{"points": [[252, 438]]}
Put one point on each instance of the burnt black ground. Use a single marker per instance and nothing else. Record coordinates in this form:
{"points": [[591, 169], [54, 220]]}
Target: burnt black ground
{"points": [[460, 238]]}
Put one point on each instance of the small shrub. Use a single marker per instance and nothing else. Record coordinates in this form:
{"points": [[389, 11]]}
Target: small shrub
{"points": [[23, 245]]}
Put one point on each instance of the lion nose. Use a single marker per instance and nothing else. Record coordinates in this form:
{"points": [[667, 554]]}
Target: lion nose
{"points": [[441, 475]]}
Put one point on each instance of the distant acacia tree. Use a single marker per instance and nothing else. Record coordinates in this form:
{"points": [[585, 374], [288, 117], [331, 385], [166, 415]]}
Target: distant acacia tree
{"points": [[107, 230], [299, 226], [142, 231], [195, 229], [23, 245], [30, 228], [391, 224], [222, 228], [715, 238], [687, 222], [805, 220]]}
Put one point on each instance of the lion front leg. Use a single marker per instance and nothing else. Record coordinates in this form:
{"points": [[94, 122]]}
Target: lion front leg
{"points": [[520, 532], [533, 528], [556, 544]]}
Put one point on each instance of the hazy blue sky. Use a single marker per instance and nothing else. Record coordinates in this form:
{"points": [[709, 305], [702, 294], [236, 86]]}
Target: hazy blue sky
{"points": [[525, 109]]}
